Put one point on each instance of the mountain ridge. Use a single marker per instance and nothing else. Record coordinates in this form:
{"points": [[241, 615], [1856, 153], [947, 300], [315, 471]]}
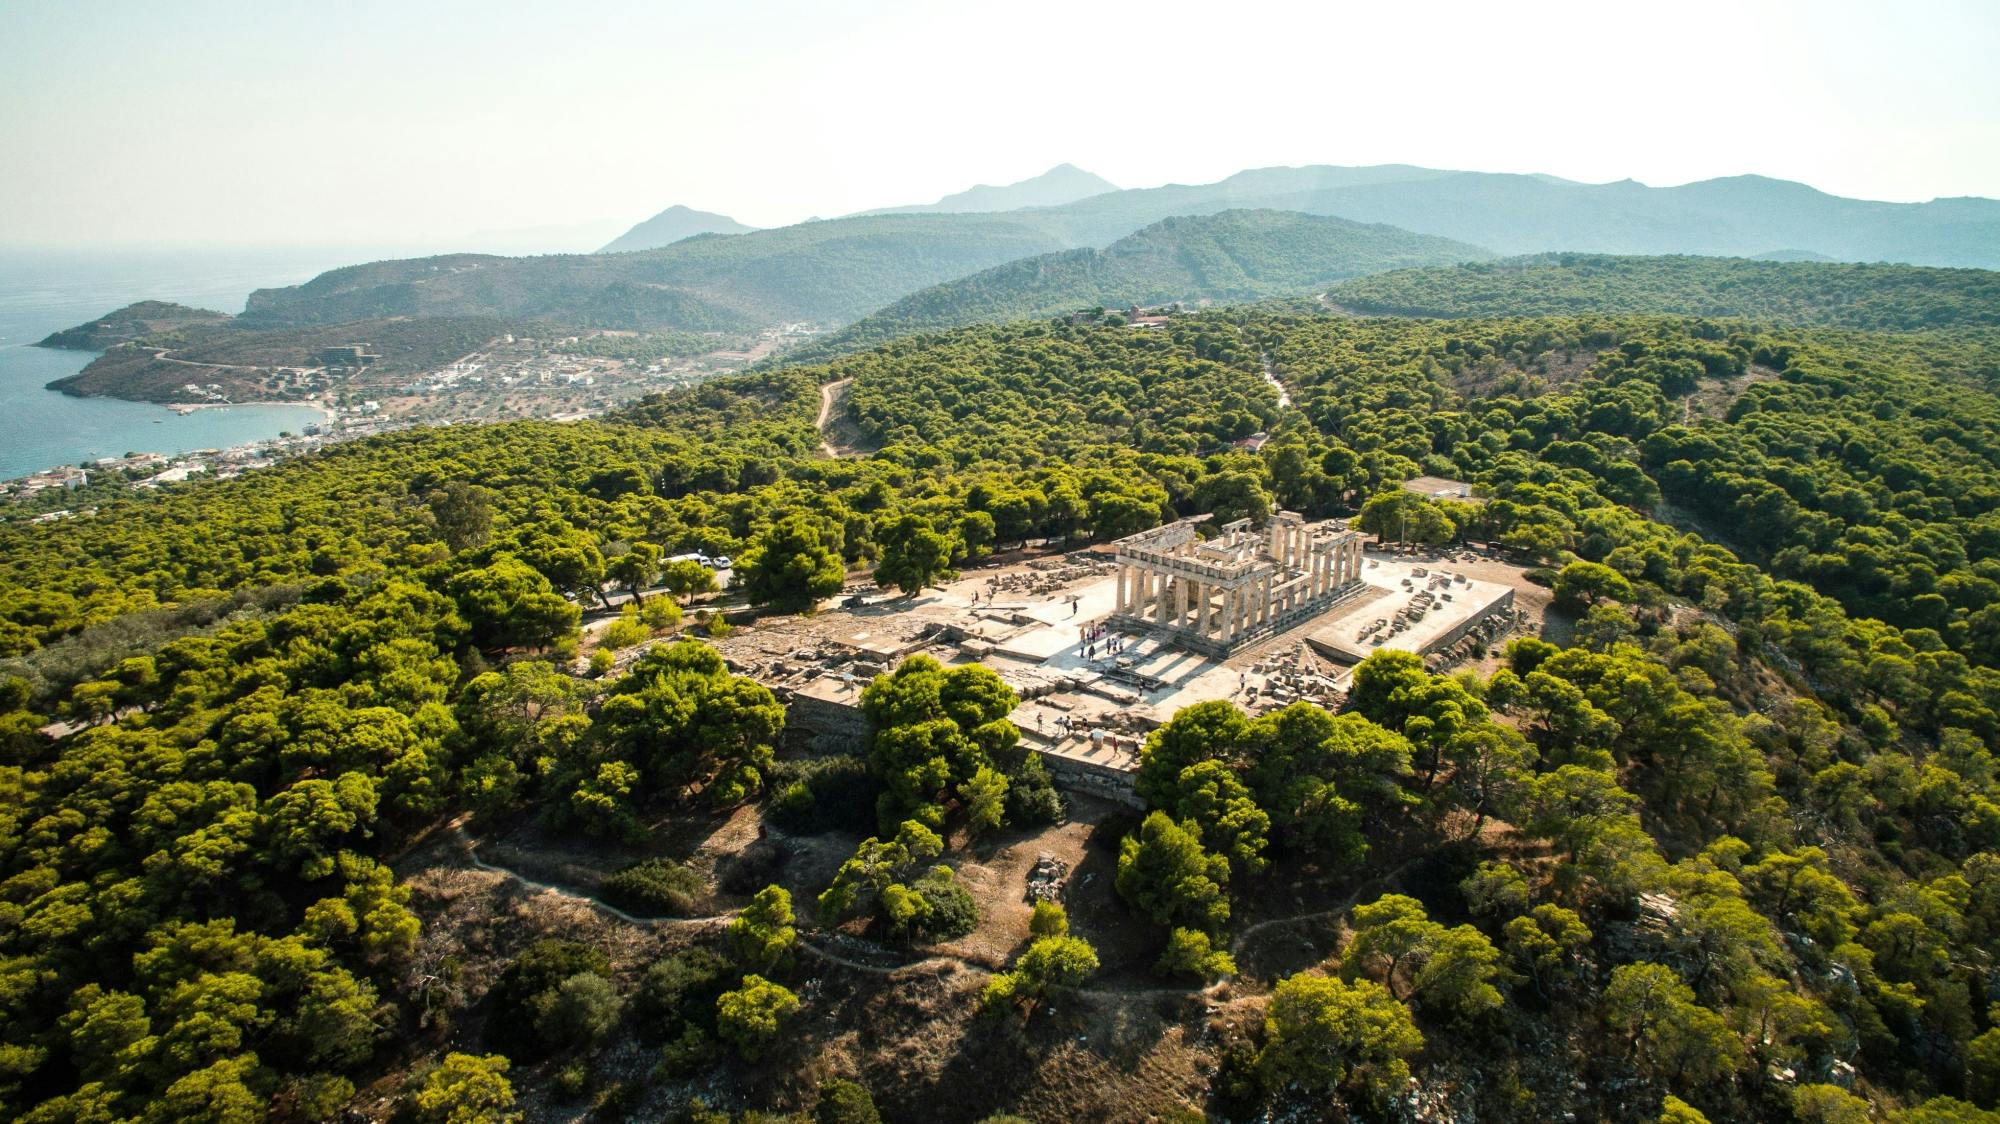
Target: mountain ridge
{"points": [[1228, 256], [835, 271], [1064, 183], [672, 225]]}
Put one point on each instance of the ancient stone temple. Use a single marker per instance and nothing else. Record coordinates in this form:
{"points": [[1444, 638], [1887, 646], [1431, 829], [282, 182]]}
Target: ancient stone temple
{"points": [[1215, 595]]}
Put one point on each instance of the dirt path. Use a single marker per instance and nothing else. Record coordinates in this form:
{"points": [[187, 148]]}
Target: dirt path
{"points": [[829, 395], [819, 948], [470, 847], [1376, 883], [1271, 376], [161, 355]]}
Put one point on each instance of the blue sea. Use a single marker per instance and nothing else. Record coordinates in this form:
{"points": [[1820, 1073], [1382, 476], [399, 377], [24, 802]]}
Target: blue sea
{"points": [[42, 291]]}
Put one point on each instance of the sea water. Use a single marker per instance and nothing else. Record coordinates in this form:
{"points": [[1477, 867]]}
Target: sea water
{"points": [[43, 291]]}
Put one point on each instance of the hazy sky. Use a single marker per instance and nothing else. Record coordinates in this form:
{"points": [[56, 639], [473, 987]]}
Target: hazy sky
{"points": [[422, 122]]}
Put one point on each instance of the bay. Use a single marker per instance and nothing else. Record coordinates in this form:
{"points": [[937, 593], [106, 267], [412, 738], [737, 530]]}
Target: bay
{"points": [[45, 290]]}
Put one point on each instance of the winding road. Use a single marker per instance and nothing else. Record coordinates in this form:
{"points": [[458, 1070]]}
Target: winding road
{"points": [[1271, 376], [829, 397]]}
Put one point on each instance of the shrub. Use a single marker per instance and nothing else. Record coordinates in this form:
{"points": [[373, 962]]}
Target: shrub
{"points": [[625, 632], [1191, 953], [580, 1012], [824, 794], [750, 1017], [844, 1102], [654, 886], [688, 1053], [1032, 799], [661, 614], [1049, 920], [678, 992], [527, 987], [762, 936], [466, 1088]]}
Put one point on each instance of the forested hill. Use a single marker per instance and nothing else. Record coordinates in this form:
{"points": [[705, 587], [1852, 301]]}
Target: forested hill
{"points": [[1231, 256], [839, 270], [1894, 297], [672, 225], [1723, 843], [833, 271], [130, 323]]}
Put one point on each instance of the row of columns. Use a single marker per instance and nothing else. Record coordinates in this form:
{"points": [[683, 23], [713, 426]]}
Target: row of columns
{"points": [[1180, 601]]}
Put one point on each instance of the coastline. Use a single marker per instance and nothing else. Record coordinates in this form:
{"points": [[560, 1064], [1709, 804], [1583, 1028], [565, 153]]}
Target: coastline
{"points": [[185, 408]]}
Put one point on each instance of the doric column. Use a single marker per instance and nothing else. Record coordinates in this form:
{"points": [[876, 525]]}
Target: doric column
{"points": [[1160, 598]]}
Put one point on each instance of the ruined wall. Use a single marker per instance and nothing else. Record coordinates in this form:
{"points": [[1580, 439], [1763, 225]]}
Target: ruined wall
{"points": [[826, 726], [1086, 779]]}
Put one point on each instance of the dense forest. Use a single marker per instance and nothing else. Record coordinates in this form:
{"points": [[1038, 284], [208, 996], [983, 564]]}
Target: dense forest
{"points": [[1231, 256], [832, 271], [1876, 297], [1726, 848]]}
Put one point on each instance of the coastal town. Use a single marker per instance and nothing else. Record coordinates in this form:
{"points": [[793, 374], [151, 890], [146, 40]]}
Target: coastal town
{"points": [[556, 377]]}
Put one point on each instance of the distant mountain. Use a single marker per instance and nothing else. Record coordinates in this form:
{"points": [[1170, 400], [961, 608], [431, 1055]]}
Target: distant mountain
{"points": [[827, 272], [670, 226], [129, 323], [838, 270], [1235, 255], [1847, 295], [1064, 183], [1518, 214]]}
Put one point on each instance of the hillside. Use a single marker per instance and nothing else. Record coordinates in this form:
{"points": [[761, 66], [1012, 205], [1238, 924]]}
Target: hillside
{"points": [[1516, 214], [836, 271], [1231, 256], [670, 226], [830, 272], [322, 798], [1064, 183], [251, 365], [1816, 293], [130, 323]]}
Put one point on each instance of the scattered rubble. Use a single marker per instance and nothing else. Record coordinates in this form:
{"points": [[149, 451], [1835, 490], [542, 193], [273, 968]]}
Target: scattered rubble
{"points": [[1047, 879]]}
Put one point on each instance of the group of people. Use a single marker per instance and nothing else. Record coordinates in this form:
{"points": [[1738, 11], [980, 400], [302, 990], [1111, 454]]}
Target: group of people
{"points": [[1097, 636], [1067, 727]]}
